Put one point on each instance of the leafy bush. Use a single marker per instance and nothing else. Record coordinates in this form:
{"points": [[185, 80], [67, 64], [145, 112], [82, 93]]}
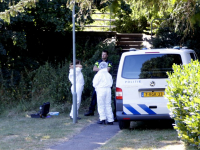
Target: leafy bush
{"points": [[184, 101], [166, 38], [193, 40], [126, 23], [47, 83], [50, 83]]}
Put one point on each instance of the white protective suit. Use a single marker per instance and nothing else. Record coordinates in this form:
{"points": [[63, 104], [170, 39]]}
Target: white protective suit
{"points": [[102, 83], [79, 86]]}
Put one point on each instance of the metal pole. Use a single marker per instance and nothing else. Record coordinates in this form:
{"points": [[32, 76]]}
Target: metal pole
{"points": [[74, 67]]}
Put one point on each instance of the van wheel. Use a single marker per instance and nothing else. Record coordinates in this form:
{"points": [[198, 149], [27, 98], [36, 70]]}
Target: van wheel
{"points": [[124, 124]]}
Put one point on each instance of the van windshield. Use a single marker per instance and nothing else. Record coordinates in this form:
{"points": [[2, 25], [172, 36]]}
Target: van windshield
{"points": [[149, 66]]}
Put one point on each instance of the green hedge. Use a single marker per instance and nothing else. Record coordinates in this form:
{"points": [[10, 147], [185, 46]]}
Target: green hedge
{"points": [[50, 83], [184, 101]]}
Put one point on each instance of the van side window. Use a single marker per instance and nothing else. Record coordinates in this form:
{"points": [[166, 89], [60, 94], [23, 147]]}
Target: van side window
{"points": [[149, 66], [192, 56]]}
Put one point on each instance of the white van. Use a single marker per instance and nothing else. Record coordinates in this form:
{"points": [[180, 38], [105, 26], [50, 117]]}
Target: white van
{"points": [[141, 83]]}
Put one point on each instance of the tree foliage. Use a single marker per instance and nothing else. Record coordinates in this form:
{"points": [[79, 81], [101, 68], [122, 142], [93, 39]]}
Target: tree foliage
{"points": [[28, 35], [185, 14], [182, 11], [125, 22]]}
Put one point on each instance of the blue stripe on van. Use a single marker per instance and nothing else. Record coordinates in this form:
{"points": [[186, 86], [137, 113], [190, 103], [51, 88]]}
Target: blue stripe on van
{"points": [[124, 113], [131, 109], [147, 109]]}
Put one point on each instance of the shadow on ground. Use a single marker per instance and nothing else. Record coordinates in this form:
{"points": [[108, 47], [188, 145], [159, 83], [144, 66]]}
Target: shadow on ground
{"points": [[152, 124]]}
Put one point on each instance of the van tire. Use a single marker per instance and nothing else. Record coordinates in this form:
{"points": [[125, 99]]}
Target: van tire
{"points": [[124, 124]]}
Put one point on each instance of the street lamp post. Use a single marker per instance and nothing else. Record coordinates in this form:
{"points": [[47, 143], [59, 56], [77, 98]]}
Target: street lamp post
{"points": [[74, 67]]}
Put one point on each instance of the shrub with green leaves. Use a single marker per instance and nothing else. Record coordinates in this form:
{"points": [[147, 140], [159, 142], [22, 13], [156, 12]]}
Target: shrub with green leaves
{"points": [[47, 83], [184, 101], [50, 83]]}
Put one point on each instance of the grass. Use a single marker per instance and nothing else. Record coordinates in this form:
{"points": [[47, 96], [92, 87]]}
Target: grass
{"points": [[148, 135], [21, 132]]}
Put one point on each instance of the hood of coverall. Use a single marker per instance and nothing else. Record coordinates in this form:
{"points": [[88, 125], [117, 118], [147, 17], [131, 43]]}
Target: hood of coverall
{"points": [[103, 65]]}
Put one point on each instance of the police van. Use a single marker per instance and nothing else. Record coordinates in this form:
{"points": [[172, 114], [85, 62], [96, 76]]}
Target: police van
{"points": [[141, 83]]}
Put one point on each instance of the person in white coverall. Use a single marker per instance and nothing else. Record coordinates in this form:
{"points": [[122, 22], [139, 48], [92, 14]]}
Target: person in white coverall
{"points": [[102, 83], [79, 84]]}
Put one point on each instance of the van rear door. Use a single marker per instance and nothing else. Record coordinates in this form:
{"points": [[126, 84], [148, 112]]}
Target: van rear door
{"points": [[143, 82]]}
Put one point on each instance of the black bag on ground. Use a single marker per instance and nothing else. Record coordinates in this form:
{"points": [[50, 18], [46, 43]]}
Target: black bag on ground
{"points": [[44, 110]]}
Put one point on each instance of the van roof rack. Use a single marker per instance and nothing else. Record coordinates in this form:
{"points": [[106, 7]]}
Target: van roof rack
{"points": [[178, 47], [133, 49]]}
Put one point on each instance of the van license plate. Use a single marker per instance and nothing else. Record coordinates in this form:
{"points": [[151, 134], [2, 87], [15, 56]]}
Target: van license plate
{"points": [[152, 94]]}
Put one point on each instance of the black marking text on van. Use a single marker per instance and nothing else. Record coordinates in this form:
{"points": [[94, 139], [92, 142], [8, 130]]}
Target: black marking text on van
{"points": [[133, 81]]}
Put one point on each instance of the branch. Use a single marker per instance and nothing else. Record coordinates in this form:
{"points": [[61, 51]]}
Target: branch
{"points": [[18, 8]]}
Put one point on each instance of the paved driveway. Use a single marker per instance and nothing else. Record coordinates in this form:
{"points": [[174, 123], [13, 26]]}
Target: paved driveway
{"points": [[90, 138]]}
